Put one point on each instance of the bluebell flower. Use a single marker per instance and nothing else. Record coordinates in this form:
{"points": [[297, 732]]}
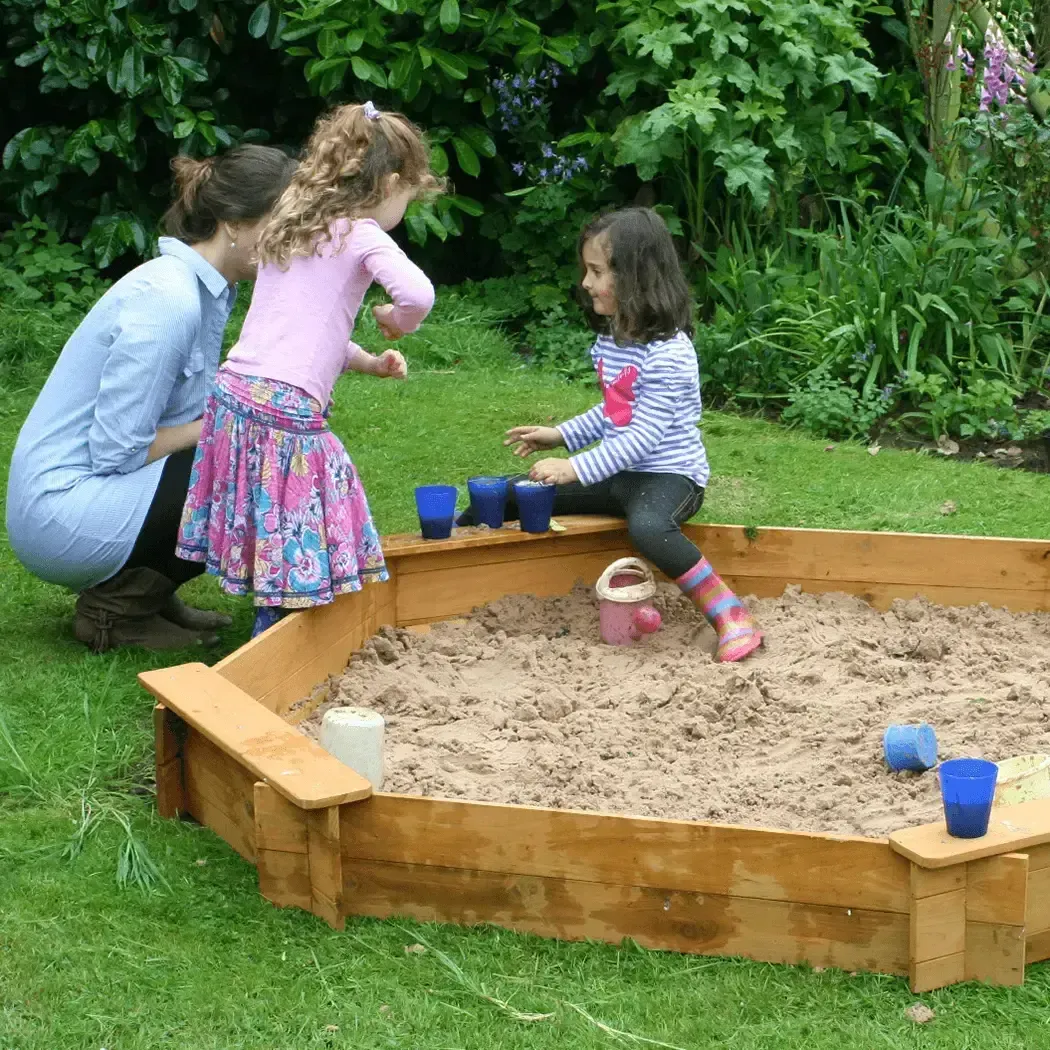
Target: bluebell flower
{"points": [[546, 150], [518, 169], [516, 82], [532, 82], [581, 163], [543, 173]]}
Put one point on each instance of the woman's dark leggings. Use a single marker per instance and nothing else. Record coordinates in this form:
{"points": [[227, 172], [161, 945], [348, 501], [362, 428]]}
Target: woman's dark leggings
{"points": [[155, 547], [655, 506]]}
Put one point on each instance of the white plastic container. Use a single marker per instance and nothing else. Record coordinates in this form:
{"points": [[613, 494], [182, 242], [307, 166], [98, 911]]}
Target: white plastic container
{"points": [[354, 735]]}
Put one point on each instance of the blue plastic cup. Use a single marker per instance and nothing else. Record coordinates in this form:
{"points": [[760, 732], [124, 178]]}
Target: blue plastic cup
{"points": [[535, 505], [436, 505], [968, 789], [910, 747], [488, 500]]}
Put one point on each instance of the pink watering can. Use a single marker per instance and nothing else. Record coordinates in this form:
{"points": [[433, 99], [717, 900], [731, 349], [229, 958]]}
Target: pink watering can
{"points": [[625, 602]]}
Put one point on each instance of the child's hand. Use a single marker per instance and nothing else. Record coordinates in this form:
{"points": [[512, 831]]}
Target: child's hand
{"points": [[532, 439], [384, 315], [553, 472], [390, 364]]}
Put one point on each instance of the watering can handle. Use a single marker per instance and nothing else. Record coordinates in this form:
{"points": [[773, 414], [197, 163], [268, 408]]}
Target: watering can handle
{"points": [[623, 564]]}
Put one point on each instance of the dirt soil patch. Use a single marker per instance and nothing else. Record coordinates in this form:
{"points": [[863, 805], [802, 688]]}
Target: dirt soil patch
{"points": [[522, 703]]}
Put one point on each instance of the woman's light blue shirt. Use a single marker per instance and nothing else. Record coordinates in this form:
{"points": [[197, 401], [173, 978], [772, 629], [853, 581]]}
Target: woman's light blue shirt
{"points": [[144, 357]]}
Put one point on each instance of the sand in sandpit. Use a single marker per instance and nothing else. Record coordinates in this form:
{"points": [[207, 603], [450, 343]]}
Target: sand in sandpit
{"points": [[523, 704]]}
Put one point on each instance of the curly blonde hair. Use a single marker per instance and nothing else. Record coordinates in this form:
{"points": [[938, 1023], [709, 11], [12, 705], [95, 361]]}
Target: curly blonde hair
{"points": [[351, 152]]}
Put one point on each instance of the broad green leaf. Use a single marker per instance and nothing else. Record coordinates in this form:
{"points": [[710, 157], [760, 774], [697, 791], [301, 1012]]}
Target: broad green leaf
{"points": [[468, 159], [184, 129], [438, 160], [661, 43], [452, 65], [260, 20], [132, 72], [34, 54], [127, 123], [738, 72], [366, 70], [480, 139], [785, 137], [851, 69], [417, 228], [450, 15], [896, 28], [355, 40], [105, 240], [434, 224], [171, 77], [635, 145], [327, 42], [466, 204], [400, 69], [390, 5], [194, 70], [745, 165]]}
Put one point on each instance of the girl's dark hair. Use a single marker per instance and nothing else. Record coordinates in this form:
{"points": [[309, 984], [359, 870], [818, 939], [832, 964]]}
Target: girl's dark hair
{"points": [[241, 185], [653, 299]]}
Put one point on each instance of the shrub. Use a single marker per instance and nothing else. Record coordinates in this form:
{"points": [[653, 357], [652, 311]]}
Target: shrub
{"points": [[36, 267]]}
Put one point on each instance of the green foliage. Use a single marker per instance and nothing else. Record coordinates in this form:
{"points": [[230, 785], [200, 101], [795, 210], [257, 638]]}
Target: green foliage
{"points": [[977, 407], [831, 408], [742, 97], [36, 267], [105, 90], [909, 307]]}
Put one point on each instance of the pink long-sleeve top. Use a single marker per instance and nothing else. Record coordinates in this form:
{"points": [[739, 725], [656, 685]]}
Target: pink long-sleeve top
{"points": [[301, 319]]}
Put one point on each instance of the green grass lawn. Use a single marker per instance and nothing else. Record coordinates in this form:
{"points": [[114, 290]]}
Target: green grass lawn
{"points": [[201, 961]]}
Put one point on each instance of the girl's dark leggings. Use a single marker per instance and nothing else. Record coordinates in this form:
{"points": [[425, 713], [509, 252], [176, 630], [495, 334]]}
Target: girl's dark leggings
{"points": [[655, 506]]}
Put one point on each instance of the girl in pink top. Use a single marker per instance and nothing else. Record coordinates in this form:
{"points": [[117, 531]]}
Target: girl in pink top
{"points": [[275, 506]]}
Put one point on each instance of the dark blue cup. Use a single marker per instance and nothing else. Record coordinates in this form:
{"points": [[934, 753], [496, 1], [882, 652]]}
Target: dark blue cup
{"points": [[436, 505], [488, 500], [968, 790], [535, 505], [910, 747]]}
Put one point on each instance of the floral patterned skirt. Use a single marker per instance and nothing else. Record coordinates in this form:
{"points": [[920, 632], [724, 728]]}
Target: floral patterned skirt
{"points": [[275, 506]]}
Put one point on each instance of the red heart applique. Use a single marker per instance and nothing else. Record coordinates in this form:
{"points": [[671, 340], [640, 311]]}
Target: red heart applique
{"points": [[618, 394]]}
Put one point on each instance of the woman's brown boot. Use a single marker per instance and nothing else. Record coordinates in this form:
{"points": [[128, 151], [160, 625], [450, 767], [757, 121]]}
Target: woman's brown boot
{"points": [[178, 612], [125, 610]]}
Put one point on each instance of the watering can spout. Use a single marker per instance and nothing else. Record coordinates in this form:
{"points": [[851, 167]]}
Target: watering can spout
{"points": [[646, 620]]}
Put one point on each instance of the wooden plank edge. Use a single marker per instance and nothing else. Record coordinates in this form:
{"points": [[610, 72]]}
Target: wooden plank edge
{"points": [[154, 682], [354, 848], [799, 919], [1008, 832]]}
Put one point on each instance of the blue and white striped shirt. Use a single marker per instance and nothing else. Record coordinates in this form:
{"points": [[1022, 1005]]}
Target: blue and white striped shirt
{"points": [[649, 415], [144, 357]]}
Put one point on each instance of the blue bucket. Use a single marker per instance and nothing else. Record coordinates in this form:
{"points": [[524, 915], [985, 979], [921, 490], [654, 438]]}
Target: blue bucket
{"points": [[910, 747]]}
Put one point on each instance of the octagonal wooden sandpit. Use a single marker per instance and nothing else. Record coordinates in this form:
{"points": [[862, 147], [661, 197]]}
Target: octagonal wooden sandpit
{"points": [[921, 905]]}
